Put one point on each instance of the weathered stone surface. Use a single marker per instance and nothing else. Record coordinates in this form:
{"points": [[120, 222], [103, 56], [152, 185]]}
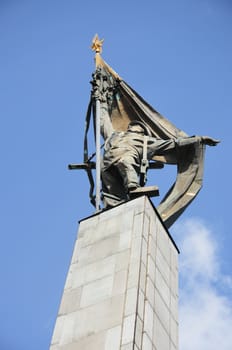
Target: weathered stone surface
{"points": [[160, 336], [162, 311], [164, 267], [96, 291], [70, 301], [174, 331], [113, 337], [150, 292], [128, 329], [148, 319], [131, 301], [119, 283], [147, 342], [162, 287], [121, 292], [91, 342], [138, 332]]}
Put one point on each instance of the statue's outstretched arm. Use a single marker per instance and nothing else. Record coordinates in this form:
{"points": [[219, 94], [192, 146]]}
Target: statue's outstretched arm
{"points": [[209, 141]]}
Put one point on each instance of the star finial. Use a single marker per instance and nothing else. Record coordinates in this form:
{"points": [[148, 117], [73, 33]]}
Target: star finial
{"points": [[97, 44]]}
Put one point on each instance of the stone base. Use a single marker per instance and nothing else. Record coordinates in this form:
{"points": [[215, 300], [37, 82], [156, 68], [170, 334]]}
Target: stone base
{"points": [[121, 291]]}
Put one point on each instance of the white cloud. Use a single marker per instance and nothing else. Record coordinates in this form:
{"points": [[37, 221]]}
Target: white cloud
{"points": [[205, 313]]}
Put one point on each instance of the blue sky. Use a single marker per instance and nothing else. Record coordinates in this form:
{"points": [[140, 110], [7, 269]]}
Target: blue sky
{"points": [[177, 55]]}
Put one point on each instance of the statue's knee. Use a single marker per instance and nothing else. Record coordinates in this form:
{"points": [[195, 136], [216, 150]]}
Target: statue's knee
{"points": [[122, 165]]}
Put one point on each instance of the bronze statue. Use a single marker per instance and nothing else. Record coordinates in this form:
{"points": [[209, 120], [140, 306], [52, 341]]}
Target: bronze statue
{"points": [[137, 137]]}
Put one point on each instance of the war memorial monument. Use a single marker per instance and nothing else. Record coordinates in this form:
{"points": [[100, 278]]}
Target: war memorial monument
{"points": [[121, 291]]}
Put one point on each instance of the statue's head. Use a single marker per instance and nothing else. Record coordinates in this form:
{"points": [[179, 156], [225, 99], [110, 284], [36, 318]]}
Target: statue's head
{"points": [[138, 127]]}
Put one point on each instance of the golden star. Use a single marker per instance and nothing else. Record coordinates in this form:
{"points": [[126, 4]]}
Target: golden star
{"points": [[97, 44]]}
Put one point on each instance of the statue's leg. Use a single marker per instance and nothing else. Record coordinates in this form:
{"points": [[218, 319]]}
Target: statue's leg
{"points": [[112, 186], [129, 171]]}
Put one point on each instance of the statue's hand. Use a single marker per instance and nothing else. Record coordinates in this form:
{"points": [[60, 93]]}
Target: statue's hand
{"points": [[209, 141]]}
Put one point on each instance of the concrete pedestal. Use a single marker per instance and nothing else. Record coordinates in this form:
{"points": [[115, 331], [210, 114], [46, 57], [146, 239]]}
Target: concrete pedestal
{"points": [[121, 291]]}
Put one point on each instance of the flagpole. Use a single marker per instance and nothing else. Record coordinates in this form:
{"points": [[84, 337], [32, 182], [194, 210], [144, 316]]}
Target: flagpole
{"points": [[98, 156], [97, 47]]}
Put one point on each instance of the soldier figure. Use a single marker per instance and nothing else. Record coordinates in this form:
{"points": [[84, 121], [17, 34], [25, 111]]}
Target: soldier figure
{"points": [[124, 153]]}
